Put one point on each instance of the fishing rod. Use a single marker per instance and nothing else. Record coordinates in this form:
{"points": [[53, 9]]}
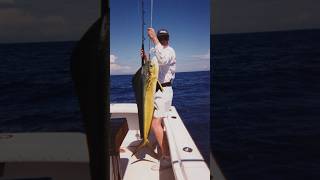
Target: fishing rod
{"points": [[151, 14], [143, 24]]}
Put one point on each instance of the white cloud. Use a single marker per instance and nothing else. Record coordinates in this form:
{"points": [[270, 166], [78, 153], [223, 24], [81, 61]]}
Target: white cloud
{"points": [[38, 21], [117, 68], [205, 56], [6, 2], [113, 58], [28, 27]]}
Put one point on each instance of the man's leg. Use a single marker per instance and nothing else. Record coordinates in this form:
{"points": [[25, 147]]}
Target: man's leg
{"points": [[160, 136], [164, 161]]}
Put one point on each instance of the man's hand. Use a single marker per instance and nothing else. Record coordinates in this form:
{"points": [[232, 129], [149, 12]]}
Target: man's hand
{"points": [[153, 36], [151, 33], [143, 55]]}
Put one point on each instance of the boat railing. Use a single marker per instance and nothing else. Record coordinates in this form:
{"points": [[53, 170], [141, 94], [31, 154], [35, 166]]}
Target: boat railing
{"points": [[187, 162]]}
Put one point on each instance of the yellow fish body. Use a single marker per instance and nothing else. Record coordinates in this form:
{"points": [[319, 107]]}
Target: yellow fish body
{"points": [[145, 83]]}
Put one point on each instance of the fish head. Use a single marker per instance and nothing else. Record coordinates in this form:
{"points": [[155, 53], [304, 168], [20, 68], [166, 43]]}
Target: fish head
{"points": [[153, 69]]}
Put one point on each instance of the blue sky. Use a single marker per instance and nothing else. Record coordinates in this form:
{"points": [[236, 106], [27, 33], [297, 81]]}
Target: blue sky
{"points": [[188, 23]]}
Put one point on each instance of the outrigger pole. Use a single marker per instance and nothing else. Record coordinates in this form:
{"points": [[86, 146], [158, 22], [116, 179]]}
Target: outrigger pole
{"points": [[151, 15], [142, 30]]}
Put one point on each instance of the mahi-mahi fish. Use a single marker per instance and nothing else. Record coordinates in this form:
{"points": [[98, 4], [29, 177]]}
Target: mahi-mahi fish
{"points": [[145, 84]]}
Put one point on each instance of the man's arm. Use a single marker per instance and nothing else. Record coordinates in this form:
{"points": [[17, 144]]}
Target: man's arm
{"points": [[162, 57], [153, 36]]}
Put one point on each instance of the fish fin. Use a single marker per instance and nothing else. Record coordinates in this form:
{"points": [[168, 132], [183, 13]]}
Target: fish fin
{"points": [[159, 86], [140, 146]]}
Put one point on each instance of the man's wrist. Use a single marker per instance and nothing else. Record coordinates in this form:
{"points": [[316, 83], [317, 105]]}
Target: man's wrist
{"points": [[155, 41]]}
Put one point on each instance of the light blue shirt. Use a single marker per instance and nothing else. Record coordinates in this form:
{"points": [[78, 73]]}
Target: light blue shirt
{"points": [[166, 58]]}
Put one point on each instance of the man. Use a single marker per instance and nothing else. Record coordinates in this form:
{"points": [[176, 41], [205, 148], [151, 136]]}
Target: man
{"points": [[166, 58]]}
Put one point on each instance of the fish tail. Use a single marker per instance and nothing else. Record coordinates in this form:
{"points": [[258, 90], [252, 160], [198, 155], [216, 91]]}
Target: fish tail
{"points": [[141, 145]]}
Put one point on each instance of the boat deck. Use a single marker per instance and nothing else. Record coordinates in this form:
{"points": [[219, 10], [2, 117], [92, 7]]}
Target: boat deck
{"points": [[187, 162], [137, 166]]}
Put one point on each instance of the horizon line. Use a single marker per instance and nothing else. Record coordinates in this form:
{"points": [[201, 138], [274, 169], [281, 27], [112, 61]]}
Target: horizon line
{"points": [[266, 31], [176, 72], [211, 33]]}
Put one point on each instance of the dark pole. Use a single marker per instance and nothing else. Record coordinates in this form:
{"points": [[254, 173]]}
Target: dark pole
{"points": [[104, 7], [90, 68]]}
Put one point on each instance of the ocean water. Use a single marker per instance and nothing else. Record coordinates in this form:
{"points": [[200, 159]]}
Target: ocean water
{"points": [[36, 88], [266, 105], [37, 92], [265, 100]]}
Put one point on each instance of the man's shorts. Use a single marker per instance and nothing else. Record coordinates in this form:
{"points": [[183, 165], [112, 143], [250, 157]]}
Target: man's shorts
{"points": [[162, 102]]}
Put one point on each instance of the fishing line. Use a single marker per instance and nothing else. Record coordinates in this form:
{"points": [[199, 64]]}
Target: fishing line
{"points": [[151, 12], [151, 15]]}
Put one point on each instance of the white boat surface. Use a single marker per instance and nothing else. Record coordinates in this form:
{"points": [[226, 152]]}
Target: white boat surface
{"points": [[62, 156], [185, 165]]}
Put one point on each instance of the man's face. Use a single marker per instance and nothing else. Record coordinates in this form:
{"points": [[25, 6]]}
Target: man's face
{"points": [[164, 40]]}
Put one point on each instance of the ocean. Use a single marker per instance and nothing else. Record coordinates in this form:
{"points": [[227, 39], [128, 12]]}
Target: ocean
{"points": [[37, 92], [266, 102], [36, 88]]}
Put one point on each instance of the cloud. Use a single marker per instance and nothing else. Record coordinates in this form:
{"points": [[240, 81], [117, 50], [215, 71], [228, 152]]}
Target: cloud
{"points": [[25, 26], [117, 68], [113, 58], [234, 16], [194, 66], [36, 21], [205, 56], [198, 62], [6, 2], [16, 17]]}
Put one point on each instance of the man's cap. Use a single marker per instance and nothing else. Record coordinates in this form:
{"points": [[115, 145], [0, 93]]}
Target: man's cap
{"points": [[162, 32]]}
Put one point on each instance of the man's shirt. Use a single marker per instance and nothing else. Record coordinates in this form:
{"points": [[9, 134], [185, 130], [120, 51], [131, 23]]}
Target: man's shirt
{"points": [[166, 58]]}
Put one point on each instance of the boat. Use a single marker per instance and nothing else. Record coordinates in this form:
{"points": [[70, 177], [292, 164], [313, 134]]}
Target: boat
{"points": [[187, 162], [64, 155], [44, 156], [101, 152]]}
